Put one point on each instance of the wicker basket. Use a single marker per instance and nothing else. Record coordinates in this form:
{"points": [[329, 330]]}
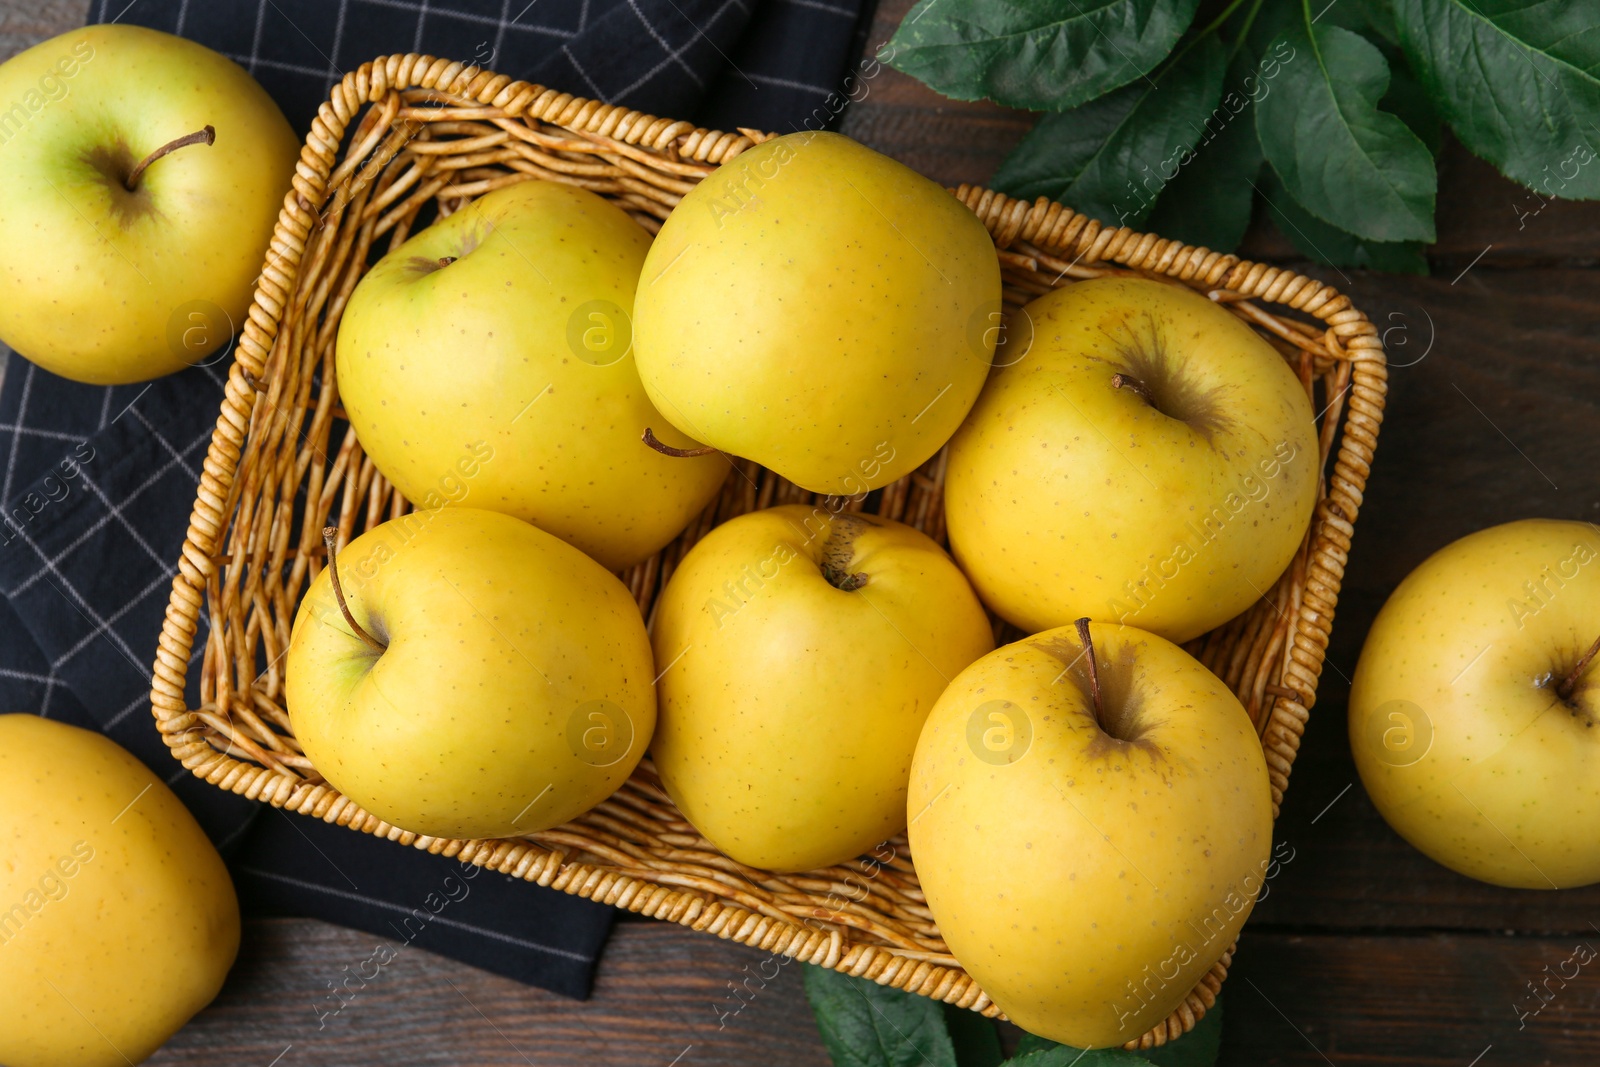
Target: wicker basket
{"points": [[282, 462]]}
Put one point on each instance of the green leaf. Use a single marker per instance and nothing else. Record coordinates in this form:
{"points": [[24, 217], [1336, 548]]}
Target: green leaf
{"points": [[864, 1024], [1333, 246], [1518, 81], [1210, 201], [1345, 161], [1034, 1043], [1406, 98], [1046, 55], [1272, 21], [1067, 1056], [1408, 101], [1361, 16], [1198, 1048], [1111, 157], [976, 1041]]}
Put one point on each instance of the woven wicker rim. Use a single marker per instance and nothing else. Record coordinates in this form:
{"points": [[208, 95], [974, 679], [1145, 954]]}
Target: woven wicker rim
{"points": [[869, 920]]}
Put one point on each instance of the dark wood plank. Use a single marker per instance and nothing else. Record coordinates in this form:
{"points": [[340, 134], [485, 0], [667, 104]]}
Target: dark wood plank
{"points": [[1380, 984], [1438, 1000], [24, 23], [1478, 208], [1293, 999], [1480, 214], [1495, 423], [663, 995]]}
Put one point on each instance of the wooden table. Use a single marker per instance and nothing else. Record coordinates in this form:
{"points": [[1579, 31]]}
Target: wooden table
{"points": [[1363, 952]]}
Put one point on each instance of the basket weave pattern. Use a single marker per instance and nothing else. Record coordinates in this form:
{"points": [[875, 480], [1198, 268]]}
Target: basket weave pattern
{"points": [[283, 463]]}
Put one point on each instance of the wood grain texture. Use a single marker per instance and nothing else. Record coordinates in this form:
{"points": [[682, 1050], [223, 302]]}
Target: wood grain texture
{"points": [[1494, 422], [24, 23], [1370, 953], [1434, 1000], [663, 995]]}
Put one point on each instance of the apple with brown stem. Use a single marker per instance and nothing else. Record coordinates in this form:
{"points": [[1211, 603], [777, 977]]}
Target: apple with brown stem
{"points": [[143, 176]]}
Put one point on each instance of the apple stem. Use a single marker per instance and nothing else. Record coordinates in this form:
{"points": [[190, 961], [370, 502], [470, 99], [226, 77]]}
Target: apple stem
{"points": [[1133, 385], [207, 136], [328, 535], [656, 443], [1570, 682], [844, 580], [1094, 668]]}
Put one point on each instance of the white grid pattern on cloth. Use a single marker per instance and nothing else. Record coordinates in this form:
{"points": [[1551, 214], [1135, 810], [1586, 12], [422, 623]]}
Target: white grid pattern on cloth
{"points": [[102, 624], [362, 898], [533, 18], [114, 509], [436, 26], [19, 429], [82, 662], [51, 566], [673, 55], [49, 681], [501, 24], [588, 81], [142, 701], [338, 38], [832, 9], [640, 52]]}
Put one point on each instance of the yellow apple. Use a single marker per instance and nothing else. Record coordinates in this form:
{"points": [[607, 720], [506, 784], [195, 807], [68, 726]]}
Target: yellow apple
{"points": [[510, 688], [1472, 734], [800, 652], [500, 337], [1088, 860], [105, 280], [821, 309], [1171, 501], [118, 920]]}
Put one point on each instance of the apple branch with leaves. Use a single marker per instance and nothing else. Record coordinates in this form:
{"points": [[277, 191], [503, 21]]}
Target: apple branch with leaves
{"points": [[1177, 115]]}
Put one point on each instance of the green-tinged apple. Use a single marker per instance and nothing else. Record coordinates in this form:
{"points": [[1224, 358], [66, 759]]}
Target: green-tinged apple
{"points": [[1140, 456], [1091, 826], [118, 920], [1475, 702], [800, 652], [143, 174], [821, 309], [489, 680], [500, 337]]}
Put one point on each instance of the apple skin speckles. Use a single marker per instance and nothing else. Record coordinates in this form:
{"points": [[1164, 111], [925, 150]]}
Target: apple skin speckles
{"points": [[1191, 466]]}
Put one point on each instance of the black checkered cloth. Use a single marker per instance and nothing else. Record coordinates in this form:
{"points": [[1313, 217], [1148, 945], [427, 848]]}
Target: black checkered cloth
{"points": [[96, 483]]}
